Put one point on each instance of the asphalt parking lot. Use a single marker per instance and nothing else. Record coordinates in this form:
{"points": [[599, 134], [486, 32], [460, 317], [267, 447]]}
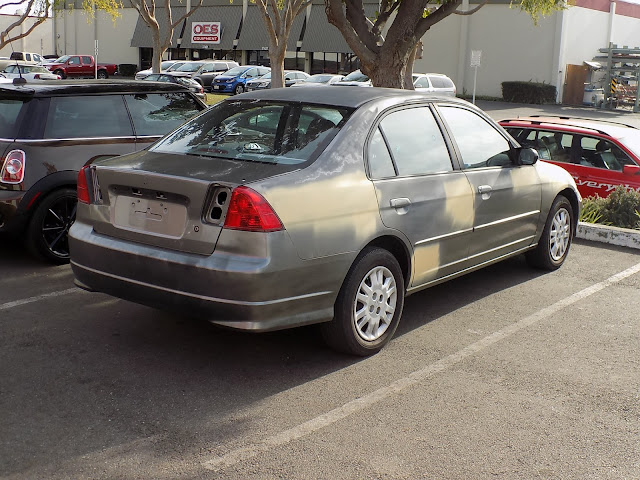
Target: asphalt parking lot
{"points": [[506, 373]]}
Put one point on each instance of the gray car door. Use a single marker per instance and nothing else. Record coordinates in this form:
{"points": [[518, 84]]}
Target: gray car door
{"points": [[419, 193], [506, 196]]}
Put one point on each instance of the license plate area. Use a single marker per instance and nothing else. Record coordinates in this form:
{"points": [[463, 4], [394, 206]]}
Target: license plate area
{"points": [[149, 212]]}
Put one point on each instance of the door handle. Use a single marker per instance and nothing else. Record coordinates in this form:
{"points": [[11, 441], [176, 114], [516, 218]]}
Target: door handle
{"points": [[484, 189], [400, 202]]}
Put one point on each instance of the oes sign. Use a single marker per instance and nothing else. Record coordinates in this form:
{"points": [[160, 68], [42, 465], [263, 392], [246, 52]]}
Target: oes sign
{"points": [[205, 32]]}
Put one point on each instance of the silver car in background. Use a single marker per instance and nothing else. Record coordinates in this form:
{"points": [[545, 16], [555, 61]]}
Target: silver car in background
{"points": [[290, 207]]}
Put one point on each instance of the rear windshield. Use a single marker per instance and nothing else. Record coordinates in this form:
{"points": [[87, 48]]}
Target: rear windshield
{"points": [[9, 111], [257, 131]]}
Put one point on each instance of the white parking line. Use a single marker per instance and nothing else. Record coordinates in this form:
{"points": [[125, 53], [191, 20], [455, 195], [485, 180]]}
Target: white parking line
{"points": [[37, 298], [244, 453]]}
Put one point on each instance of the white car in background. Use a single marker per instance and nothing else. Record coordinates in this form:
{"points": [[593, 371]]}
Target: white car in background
{"points": [[164, 66], [434, 83], [319, 79], [29, 72]]}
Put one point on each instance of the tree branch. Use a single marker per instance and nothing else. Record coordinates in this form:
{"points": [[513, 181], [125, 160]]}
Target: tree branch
{"points": [[358, 20], [336, 16], [473, 10]]}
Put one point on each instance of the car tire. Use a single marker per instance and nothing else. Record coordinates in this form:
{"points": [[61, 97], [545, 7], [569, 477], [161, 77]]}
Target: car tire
{"points": [[239, 89], [48, 229], [369, 305], [60, 73], [554, 244], [102, 74]]}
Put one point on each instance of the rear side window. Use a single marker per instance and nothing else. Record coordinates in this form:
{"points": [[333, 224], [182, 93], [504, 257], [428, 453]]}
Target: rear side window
{"points": [[416, 142], [9, 112], [160, 113], [88, 116]]}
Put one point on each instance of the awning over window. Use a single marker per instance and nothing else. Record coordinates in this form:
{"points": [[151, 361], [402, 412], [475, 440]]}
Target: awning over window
{"points": [[142, 34], [254, 32], [229, 17]]}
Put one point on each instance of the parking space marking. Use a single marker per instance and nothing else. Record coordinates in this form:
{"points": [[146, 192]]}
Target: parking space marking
{"points": [[37, 298], [250, 451]]}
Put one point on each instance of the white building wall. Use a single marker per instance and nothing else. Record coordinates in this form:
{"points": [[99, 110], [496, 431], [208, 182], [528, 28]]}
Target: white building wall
{"points": [[40, 40], [76, 33], [513, 48], [626, 32], [585, 33]]}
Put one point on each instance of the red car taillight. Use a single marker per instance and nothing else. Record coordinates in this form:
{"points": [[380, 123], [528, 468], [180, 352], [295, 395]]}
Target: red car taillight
{"points": [[248, 210], [83, 187], [13, 167], [36, 76]]}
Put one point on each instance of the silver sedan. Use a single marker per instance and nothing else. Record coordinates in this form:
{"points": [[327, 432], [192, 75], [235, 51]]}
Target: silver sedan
{"points": [[289, 207]]}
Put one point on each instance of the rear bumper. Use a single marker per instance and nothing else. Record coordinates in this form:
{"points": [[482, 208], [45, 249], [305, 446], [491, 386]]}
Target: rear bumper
{"points": [[243, 292]]}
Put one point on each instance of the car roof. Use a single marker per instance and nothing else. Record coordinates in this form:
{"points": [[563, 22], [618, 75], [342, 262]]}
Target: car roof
{"points": [[352, 97], [63, 87], [605, 127]]}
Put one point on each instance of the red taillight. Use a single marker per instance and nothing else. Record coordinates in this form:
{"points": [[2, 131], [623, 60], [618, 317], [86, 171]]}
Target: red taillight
{"points": [[248, 210], [83, 188], [13, 167], [37, 76]]}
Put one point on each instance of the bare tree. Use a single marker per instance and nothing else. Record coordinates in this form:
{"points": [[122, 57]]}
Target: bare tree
{"points": [[161, 33], [388, 60], [36, 9], [278, 17]]}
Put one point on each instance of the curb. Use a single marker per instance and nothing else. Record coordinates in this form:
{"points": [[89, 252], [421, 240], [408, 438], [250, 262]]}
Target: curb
{"points": [[612, 235]]}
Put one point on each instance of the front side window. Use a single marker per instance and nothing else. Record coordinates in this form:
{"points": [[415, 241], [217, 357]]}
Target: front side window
{"points": [[74, 61], [422, 82], [87, 116], [267, 132], [160, 113], [416, 142], [479, 143]]}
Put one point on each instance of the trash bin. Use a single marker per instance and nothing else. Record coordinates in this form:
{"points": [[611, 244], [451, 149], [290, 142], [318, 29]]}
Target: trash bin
{"points": [[593, 96]]}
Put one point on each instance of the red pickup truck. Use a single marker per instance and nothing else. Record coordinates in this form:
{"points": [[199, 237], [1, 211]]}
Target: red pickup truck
{"points": [[80, 66]]}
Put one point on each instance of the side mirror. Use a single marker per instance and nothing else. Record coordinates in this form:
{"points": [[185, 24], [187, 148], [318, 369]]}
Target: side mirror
{"points": [[526, 156], [631, 169]]}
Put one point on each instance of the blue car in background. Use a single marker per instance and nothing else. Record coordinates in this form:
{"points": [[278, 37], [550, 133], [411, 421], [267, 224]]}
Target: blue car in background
{"points": [[234, 79]]}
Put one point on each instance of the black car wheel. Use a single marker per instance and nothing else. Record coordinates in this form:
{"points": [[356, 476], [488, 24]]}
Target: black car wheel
{"points": [[369, 305], [239, 89], [47, 235], [60, 73], [102, 74]]}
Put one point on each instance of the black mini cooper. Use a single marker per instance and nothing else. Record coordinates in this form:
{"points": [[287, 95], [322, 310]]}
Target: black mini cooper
{"points": [[49, 130]]}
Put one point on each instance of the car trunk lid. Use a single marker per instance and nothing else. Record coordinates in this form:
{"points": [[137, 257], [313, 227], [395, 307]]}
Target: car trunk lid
{"points": [[179, 212]]}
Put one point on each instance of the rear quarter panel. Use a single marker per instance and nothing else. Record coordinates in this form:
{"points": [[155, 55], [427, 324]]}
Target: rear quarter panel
{"points": [[330, 207]]}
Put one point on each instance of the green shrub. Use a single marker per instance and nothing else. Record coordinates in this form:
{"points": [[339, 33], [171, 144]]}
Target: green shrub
{"points": [[620, 209], [528, 92]]}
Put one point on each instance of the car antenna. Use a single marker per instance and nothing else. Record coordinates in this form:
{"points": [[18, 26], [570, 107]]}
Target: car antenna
{"points": [[18, 80]]}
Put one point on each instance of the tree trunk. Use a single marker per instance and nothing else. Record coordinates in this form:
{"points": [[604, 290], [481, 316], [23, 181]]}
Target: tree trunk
{"points": [[158, 51], [389, 68], [276, 57], [408, 71]]}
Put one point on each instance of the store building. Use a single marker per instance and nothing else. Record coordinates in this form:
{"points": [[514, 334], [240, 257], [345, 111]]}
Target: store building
{"points": [[511, 47]]}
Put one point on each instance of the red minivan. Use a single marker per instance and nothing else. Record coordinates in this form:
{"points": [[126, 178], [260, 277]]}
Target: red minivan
{"points": [[600, 155]]}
